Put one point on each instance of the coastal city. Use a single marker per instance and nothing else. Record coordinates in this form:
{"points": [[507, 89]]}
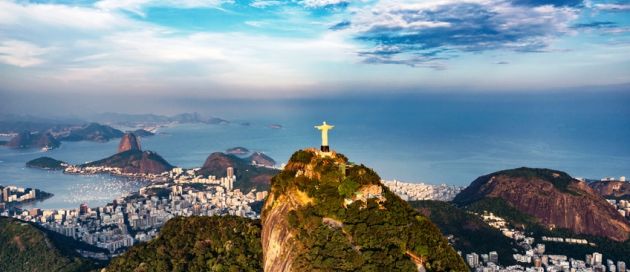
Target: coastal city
{"points": [[532, 256], [137, 217], [421, 191]]}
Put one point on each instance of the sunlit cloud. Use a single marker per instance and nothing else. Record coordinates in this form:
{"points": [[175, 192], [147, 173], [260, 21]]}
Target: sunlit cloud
{"points": [[21, 54], [269, 48]]}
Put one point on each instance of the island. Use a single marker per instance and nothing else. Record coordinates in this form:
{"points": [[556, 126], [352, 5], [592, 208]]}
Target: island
{"points": [[47, 163], [26, 139]]}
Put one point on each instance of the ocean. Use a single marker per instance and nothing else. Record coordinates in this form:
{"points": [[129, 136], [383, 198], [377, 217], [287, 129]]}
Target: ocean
{"points": [[431, 138]]}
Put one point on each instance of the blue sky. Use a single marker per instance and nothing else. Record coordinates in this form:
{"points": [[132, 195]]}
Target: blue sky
{"points": [[302, 48]]}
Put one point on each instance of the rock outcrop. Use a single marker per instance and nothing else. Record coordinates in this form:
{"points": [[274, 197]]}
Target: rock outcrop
{"points": [[26, 139], [326, 214], [261, 159], [612, 188], [553, 198], [129, 141]]}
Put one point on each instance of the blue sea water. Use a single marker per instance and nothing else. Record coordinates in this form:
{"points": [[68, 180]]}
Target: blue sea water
{"points": [[431, 138]]}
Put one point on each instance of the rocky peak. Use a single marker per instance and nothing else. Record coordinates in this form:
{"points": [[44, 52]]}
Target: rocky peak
{"points": [[324, 213], [129, 141], [553, 198]]}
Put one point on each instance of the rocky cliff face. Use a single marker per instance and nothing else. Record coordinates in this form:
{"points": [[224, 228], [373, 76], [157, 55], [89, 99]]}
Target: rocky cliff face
{"points": [[612, 188], [27, 140], [326, 214], [553, 198], [129, 141]]}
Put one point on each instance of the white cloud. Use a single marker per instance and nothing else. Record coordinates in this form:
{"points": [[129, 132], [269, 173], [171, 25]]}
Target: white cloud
{"points": [[427, 31], [21, 54], [52, 15], [322, 3], [265, 3], [612, 7], [138, 6], [121, 54]]}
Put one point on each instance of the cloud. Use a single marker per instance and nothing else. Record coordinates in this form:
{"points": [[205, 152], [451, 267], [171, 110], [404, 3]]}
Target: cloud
{"points": [[266, 3], [557, 3], [60, 46], [595, 25], [21, 54], [323, 3], [341, 25], [619, 7], [138, 6], [58, 16], [461, 26]]}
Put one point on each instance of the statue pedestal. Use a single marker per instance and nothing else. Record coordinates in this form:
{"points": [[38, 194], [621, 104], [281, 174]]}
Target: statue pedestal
{"points": [[325, 148]]}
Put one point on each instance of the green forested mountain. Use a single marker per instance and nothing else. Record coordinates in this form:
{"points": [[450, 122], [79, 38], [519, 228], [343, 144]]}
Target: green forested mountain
{"points": [[25, 247], [326, 214], [197, 243]]}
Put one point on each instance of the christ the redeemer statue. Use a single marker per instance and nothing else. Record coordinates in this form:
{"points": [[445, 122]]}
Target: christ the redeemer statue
{"points": [[325, 128]]}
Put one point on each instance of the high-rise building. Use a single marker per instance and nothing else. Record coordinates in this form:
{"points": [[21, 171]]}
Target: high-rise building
{"points": [[83, 208], [493, 257], [472, 259], [540, 248], [597, 258], [621, 266], [622, 178], [5, 194], [230, 172]]}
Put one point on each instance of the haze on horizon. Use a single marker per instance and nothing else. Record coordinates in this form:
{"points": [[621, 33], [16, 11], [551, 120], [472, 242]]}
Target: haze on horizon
{"points": [[53, 51]]}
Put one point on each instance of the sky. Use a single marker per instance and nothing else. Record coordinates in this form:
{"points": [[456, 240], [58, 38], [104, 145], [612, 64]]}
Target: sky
{"points": [[253, 49]]}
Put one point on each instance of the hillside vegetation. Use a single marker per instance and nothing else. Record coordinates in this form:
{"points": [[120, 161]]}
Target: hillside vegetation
{"points": [[28, 248], [327, 214], [197, 243], [470, 233]]}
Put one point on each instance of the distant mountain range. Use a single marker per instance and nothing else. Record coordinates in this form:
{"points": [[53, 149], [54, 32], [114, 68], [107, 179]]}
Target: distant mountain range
{"points": [[91, 132], [143, 119], [51, 139]]}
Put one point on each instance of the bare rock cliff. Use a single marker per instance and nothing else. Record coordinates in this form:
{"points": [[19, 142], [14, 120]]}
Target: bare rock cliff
{"points": [[553, 198], [129, 141]]}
